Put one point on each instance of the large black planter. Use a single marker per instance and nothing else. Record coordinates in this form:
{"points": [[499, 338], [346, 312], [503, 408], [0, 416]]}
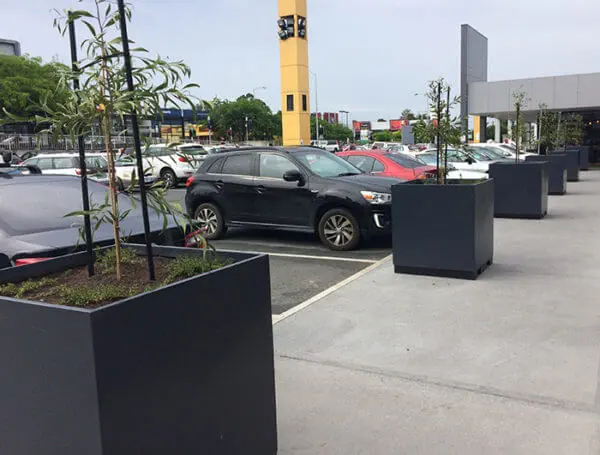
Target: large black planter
{"points": [[584, 158], [573, 162], [520, 190], [443, 230], [186, 369], [557, 171]]}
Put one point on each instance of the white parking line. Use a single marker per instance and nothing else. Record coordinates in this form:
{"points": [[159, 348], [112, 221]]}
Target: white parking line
{"points": [[324, 258], [286, 314]]}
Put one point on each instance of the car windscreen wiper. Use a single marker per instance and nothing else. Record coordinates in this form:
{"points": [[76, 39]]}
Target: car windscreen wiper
{"points": [[348, 174]]}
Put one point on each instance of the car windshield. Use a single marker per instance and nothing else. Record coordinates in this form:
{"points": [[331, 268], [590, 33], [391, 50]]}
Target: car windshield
{"points": [[326, 165], [60, 198], [405, 161], [494, 153], [428, 158], [479, 155]]}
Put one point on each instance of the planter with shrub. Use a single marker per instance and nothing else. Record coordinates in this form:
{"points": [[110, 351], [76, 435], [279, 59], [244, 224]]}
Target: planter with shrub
{"points": [[443, 228], [520, 190], [183, 365], [557, 171]]}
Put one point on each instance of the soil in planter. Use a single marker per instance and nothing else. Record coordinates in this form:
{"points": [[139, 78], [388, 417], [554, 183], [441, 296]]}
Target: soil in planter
{"points": [[73, 287]]}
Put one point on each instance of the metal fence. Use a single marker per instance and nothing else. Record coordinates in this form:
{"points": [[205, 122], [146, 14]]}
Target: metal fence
{"points": [[26, 142]]}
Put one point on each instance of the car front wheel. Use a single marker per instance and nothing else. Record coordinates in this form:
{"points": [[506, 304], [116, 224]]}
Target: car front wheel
{"points": [[339, 230], [209, 219]]}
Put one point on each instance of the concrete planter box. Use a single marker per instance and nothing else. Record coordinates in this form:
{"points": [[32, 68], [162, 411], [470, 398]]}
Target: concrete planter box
{"points": [[573, 163], [185, 369], [520, 190], [557, 171], [443, 230]]}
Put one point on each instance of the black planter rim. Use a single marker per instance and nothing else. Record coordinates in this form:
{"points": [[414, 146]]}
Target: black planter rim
{"points": [[138, 248]]}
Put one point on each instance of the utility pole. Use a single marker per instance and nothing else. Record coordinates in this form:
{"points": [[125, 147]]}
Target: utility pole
{"points": [[246, 130], [209, 131]]}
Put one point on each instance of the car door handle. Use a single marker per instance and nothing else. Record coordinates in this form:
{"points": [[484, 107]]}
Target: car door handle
{"points": [[260, 189], [219, 184]]}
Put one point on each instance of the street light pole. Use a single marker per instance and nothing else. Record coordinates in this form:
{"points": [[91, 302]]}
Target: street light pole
{"points": [[316, 104], [246, 130]]}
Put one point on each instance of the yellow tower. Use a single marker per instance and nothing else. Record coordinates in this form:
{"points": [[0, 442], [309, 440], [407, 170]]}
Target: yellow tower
{"points": [[295, 100]]}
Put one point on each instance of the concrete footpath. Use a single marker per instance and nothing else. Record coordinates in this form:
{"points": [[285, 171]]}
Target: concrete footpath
{"points": [[508, 364]]}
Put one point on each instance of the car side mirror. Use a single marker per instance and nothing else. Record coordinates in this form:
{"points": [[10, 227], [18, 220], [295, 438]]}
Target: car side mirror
{"points": [[293, 176]]}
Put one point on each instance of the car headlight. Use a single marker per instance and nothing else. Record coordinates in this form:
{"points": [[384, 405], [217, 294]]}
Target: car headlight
{"points": [[376, 198]]}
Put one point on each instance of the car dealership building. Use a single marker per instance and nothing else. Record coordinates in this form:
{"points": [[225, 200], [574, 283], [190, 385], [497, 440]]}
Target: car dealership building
{"points": [[483, 99]]}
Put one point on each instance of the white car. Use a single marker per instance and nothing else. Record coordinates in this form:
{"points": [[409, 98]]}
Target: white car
{"points": [[453, 172], [329, 145], [459, 159], [68, 164], [506, 151], [171, 164]]}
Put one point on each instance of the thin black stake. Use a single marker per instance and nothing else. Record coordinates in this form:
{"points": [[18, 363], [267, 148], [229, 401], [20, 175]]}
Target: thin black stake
{"points": [[438, 138], [87, 225], [446, 144], [136, 140]]}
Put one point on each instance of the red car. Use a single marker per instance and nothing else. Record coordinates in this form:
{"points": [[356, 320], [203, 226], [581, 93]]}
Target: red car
{"points": [[389, 164]]}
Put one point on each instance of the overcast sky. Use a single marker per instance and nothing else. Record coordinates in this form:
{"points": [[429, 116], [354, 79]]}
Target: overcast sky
{"points": [[371, 56]]}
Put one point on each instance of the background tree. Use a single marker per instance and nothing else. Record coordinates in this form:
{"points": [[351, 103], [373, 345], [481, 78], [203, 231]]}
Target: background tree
{"points": [[225, 114], [382, 136], [397, 136], [331, 131], [407, 114], [26, 81]]}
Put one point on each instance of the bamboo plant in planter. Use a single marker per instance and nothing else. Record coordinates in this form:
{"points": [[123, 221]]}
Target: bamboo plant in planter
{"points": [[455, 217], [520, 188], [98, 357]]}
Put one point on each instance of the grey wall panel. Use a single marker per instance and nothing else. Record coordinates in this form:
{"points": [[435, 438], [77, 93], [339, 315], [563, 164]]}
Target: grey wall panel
{"points": [[565, 91], [542, 92], [588, 90], [478, 97]]}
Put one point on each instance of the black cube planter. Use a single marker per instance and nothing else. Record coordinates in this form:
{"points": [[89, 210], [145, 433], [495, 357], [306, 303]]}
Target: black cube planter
{"points": [[584, 158], [185, 369], [443, 230], [557, 171], [520, 190], [573, 162]]}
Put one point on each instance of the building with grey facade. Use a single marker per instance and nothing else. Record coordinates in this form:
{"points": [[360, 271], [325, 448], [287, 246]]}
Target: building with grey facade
{"points": [[574, 93]]}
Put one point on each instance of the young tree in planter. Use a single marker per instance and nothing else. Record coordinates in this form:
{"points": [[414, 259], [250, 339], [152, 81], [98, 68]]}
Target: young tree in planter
{"points": [[106, 95], [572, 130], [548, 125], [518, 132], [444, 129]]}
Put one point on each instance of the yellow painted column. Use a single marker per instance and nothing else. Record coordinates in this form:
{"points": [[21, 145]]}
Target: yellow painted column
{"points": [[477, 129], [295, 89]]}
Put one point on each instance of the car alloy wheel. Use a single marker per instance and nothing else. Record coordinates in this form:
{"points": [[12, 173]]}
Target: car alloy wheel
{"points": [[207, 220], [339, 230], [169, 179]]}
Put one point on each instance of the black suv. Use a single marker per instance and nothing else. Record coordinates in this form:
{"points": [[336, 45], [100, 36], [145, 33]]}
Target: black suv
{"points": [[301, 189]]}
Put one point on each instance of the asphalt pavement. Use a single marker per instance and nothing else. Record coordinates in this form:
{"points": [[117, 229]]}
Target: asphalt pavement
{"points": [[301, 267]]}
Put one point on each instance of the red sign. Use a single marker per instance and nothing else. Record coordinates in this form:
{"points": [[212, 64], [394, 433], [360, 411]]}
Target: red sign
{"points": [[397, 125], [356, 125]]}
